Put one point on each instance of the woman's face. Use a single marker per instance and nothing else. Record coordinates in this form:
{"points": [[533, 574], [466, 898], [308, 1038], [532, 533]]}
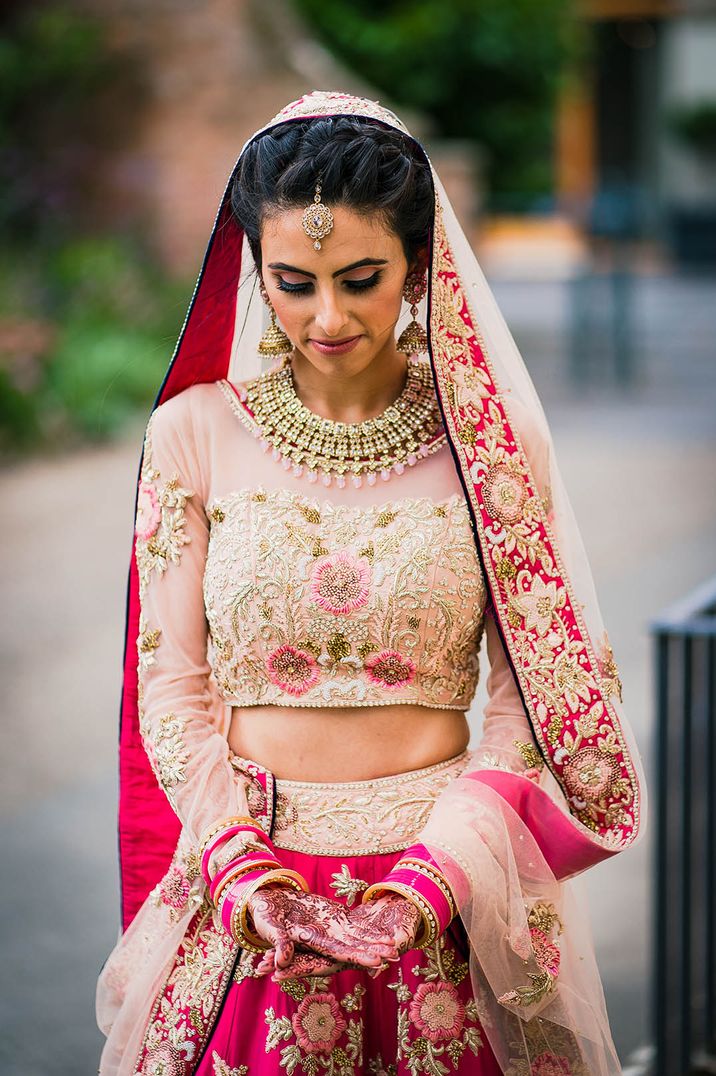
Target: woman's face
{"points": [[350, 288]]}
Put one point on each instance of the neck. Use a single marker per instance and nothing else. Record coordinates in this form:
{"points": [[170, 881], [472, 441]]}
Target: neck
{"points": [[342, 395]]}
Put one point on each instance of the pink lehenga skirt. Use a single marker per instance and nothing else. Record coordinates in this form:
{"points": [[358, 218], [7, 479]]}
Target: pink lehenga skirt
{"points": [[213, 1016]]}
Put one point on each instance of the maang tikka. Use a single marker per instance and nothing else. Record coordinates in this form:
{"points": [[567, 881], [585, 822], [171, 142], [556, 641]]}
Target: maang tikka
{"points": [[317, 219], [413, 337]]}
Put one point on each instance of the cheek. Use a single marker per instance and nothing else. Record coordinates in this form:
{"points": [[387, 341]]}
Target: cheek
{"points": [[288, 311], [385, 305]]}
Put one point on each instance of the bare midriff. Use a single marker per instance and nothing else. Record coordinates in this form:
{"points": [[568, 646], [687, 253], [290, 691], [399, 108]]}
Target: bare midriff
{"points": [[349, 743]]}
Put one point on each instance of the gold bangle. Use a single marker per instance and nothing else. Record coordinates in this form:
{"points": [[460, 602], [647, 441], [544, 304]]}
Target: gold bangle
{"points": [[428, 918], [239, 922], [434, 875]]}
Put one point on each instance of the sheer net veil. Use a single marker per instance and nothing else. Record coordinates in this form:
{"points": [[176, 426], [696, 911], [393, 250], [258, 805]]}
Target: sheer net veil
{"points": [[511, 846]]}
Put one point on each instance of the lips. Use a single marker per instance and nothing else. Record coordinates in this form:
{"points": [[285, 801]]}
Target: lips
{"points": [[334, 343], [336, 347]]}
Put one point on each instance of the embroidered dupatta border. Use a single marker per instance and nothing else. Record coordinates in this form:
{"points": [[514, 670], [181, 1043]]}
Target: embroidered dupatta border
{"points": [[576, 727]]}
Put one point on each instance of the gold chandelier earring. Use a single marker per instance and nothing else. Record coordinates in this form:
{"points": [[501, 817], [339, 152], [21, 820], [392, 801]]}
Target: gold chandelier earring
{"points": [[274, 341], [413, 337]]}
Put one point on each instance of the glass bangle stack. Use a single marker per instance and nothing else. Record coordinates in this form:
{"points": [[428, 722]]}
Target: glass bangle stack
{"points": [[417, 877], [237, 858]]}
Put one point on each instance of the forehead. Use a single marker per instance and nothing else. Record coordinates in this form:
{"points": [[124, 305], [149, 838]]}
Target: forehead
{"points": [[355, 235]]}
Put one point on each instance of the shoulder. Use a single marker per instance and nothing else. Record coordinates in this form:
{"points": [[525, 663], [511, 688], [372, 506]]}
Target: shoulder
{"points": [[189, 401], [187, 410]]}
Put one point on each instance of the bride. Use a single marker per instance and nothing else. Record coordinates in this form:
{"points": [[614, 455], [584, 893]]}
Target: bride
{"points": [[319, 872]]}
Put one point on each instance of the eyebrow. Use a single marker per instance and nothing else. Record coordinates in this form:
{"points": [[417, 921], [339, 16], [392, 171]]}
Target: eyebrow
{"points": [[304, 272]]}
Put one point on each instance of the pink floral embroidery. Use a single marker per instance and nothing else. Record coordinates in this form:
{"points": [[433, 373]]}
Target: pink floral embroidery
{"points": [[174, 888], [164, 1061], [548, 1064], [340, 583], [390, 669], [505, 494], [318, 1023], [291, 669], [538, 605], [149, 512], [437, 1012], [590, 774], [547, 954]]}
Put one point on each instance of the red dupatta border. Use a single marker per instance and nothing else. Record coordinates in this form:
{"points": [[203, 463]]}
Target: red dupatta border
{"points": [[148, 828], [565, 687]]}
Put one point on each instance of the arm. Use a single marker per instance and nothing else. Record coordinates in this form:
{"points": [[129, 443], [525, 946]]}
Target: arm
{"points": [[178, 712]]}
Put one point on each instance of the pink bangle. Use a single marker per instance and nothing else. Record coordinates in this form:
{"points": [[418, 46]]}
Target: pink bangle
{"points": [[225, 835], [419, 851], [216, 842], [232, 895], [239, 866]]}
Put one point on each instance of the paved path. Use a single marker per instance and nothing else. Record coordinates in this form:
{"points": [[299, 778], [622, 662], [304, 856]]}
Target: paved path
{"points": [[640, 472]]}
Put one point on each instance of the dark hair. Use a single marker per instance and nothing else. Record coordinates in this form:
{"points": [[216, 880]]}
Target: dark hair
{"points": [[362, 165]]}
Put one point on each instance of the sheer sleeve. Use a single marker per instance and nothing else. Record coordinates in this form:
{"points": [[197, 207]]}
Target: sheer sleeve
{"points": [[506, 740], [180, 712]]}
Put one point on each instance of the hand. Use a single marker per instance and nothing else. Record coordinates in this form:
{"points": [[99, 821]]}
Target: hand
{"points": [[315, 924], [305, 964], [388, 916]]}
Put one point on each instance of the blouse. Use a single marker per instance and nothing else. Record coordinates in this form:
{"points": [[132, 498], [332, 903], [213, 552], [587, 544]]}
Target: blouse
{"points": [[259, 588]]}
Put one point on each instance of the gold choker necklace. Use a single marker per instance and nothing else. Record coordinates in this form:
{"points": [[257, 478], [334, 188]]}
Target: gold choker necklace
{"points": [[327, 451]]}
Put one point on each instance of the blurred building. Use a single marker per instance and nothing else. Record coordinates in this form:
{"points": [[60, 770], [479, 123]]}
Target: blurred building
{"points": [[619, 162]]}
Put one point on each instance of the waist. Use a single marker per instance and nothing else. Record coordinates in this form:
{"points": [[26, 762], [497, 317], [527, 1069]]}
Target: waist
{"points": [[338, 744], [341, 818]]}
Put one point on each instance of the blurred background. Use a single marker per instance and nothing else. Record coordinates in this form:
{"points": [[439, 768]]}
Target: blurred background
{"points": [[577, 139]]}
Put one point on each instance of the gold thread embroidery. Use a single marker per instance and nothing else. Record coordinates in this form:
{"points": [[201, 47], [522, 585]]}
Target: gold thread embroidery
{"points": [[550, 648], [353, 817], [221, 1068], [365, 612]]}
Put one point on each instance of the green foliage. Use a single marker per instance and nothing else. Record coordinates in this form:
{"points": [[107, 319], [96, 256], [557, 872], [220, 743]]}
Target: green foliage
{"points": [[53, 64], [108, 322], [87, 322], [484, 70]]}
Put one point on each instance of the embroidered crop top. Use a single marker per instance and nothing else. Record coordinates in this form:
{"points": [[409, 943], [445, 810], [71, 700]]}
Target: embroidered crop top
{"points": [[311, 603], [258, 588]]}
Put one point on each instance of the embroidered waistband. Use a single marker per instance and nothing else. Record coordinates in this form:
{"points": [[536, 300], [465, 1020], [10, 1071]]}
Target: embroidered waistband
{"points": [[343, 818]]}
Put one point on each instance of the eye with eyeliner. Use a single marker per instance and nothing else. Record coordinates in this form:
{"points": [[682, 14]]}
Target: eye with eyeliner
{"points": [[352, 285]]}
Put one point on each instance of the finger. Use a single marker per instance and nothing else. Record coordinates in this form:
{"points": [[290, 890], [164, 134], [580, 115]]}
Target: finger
{"points": [[305, 964], [283, 948], [344, 948], [267, 963]]}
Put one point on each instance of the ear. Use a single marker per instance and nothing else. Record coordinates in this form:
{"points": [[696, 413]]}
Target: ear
{"points": [[420, 262]]}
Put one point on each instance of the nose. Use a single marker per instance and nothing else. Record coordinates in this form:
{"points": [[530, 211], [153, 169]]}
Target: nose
{"points": [[330, 315]]}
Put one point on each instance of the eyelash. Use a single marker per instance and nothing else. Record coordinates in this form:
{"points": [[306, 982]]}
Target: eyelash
{"points": [[352, 285]]}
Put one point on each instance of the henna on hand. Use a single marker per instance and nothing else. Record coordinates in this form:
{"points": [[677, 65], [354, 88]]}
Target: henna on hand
{"points": [[392, 915], [304, 964], [315, 923], [375, 920]]}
